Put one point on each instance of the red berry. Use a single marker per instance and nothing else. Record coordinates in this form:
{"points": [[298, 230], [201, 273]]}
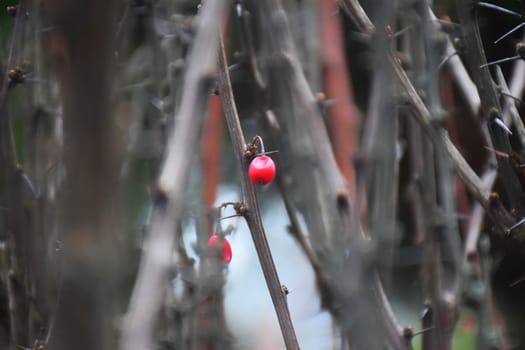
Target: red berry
{"points": [[261, 170], [226, 252]]}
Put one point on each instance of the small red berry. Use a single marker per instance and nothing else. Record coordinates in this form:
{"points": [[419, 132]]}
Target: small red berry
{"points": [[226, 252], [261, 170]]}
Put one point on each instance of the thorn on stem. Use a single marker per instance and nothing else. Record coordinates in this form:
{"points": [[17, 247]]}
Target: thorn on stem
{"points": [[503, 60], [423, 331], [446, 59], [498, 8], [519, 223], [516, 282], [509, 32], [403, 31], [502, 125]]}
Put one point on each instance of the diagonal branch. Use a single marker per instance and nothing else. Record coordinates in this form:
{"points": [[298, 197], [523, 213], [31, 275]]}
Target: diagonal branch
{"points": [[490, 106], [252, 213], [356, 13], [422, 114], [511, 110]]}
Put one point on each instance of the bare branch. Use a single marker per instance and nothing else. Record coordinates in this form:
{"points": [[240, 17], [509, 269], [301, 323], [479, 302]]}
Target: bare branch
{"points": [[423, 116], [490, 107], [322, 197], [358, 15], [148, 292], [252, 213], [511, 111]]}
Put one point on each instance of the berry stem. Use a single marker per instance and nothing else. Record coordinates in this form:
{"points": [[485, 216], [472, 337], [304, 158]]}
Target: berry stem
{"points": [[258, 138]]}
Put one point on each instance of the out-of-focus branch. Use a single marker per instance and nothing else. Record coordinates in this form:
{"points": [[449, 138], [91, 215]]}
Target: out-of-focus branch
{"points": [[439, 197], [460, 75], [380, 160], [211, 153], [147, 297], [89, 226], [19, 270], [490, 107], [7, 151], [449, 105], [465, 172], [251, 211], [356, 13], [268, 119], [322, 196], [462, 79], [343, 116], [511, 110], [489, 177], [295, 228], [517, 83]]}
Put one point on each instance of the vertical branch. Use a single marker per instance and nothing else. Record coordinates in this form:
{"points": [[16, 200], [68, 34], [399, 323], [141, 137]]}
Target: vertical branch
{"points": [[18, 267], [252, 214], [343, 116], [211, 152], [460, 75], [82, 53], [211, 330], [449, 104], [381, 158], [148, 293], [511, 110], [480, 292]]}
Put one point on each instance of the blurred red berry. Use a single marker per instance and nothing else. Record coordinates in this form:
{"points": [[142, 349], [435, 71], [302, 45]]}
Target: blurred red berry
{"points": [[226, 252]]}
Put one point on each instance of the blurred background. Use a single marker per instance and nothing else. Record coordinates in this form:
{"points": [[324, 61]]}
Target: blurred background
{"points": [[392, 224]]}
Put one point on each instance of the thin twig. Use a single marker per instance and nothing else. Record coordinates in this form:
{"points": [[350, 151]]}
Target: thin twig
{"points": [[462, 79], [511, 111], [252, 214], [295, 227]]}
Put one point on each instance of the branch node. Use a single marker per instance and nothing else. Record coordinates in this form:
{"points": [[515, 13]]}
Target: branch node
{"points": [[408, 333], [343, 204], [159, 196]]}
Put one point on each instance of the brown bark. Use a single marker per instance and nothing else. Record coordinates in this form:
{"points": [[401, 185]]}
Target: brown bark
{"points": [[343, 116], [81, 47]]}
